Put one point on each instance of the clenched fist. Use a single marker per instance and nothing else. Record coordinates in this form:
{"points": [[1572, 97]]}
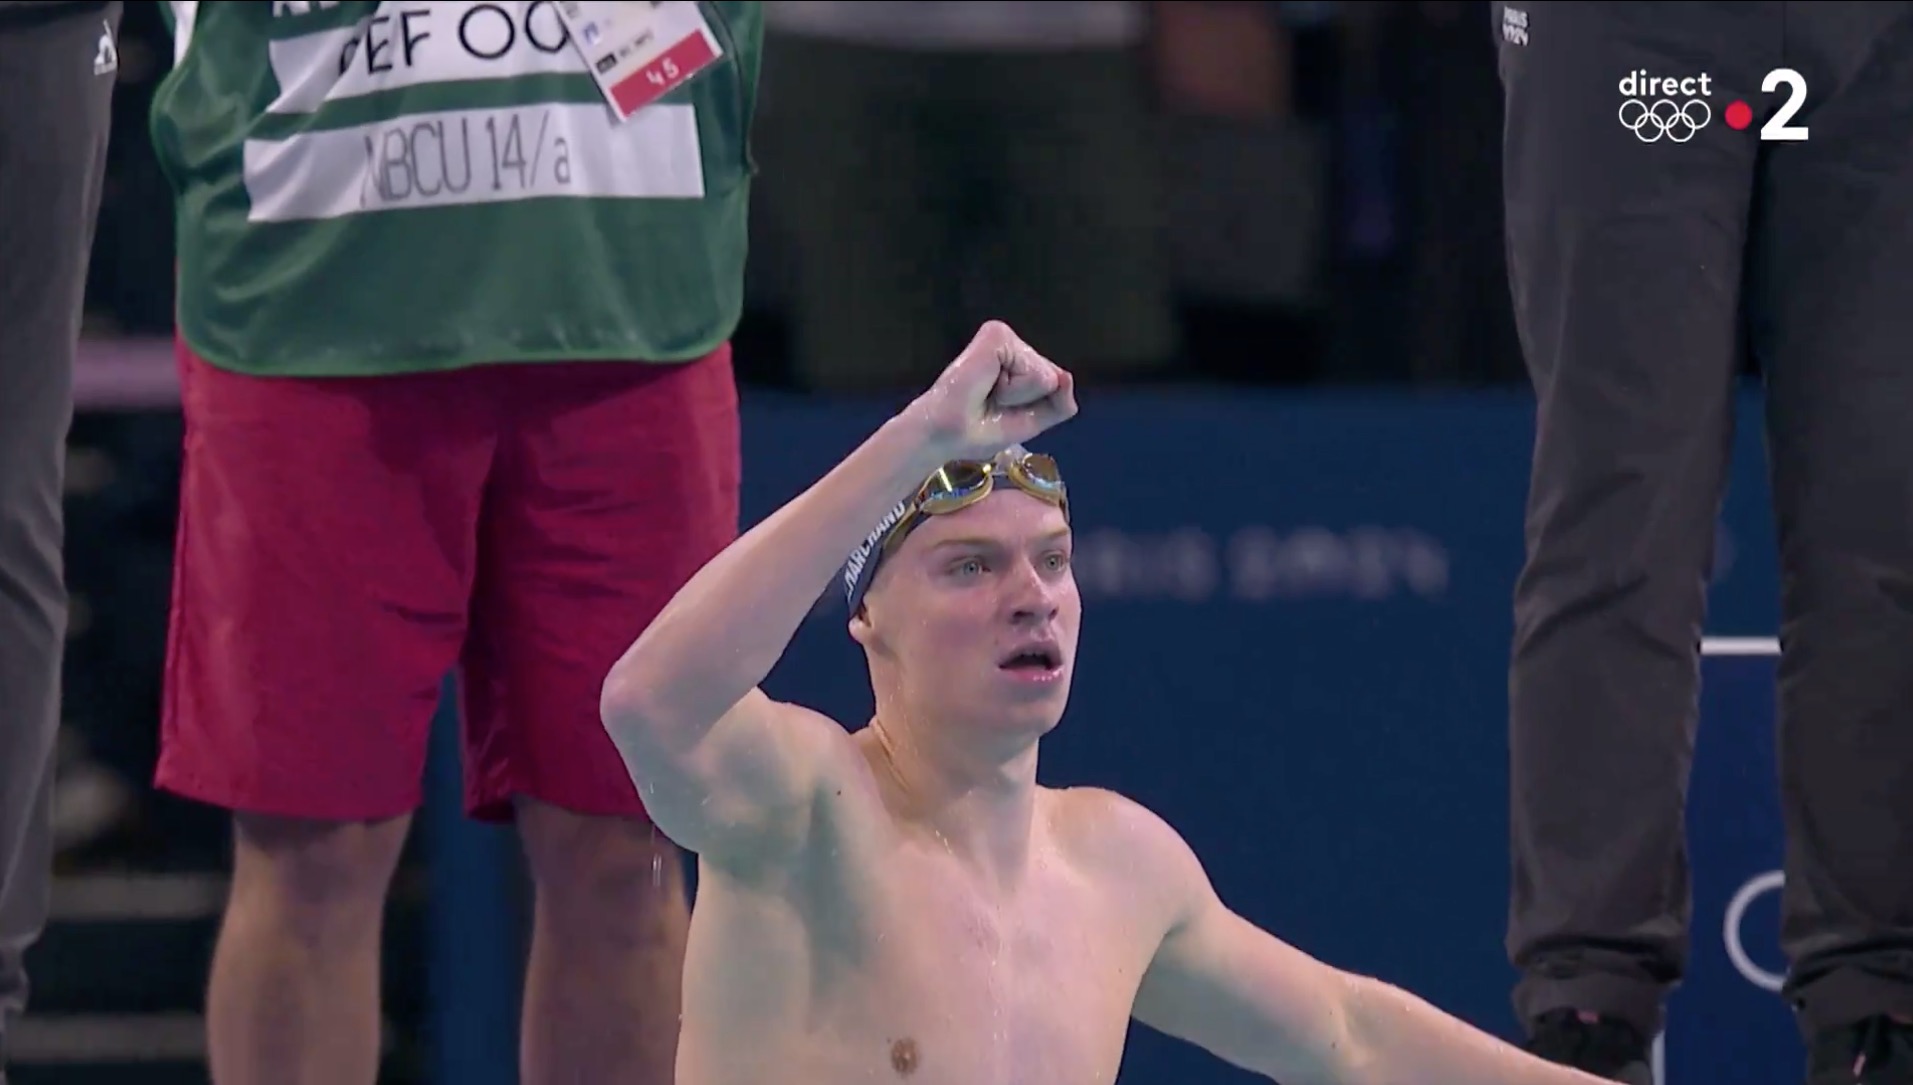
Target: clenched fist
{"points": [[997, 393]]}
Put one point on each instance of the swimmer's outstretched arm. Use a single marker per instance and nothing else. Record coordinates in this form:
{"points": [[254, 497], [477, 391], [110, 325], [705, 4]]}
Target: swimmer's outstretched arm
{"points": [[723, 770], [1225, 985]]}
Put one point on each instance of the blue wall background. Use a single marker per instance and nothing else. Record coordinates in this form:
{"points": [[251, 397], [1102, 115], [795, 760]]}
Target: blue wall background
{"points": [[1294, 648]]}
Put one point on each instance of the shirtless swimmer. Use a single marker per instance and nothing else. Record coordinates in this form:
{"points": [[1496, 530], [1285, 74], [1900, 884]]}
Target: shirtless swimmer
{"points": [[905, 903]]}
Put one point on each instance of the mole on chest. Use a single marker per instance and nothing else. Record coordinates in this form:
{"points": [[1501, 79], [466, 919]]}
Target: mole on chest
{"points": [[904, 1057]]}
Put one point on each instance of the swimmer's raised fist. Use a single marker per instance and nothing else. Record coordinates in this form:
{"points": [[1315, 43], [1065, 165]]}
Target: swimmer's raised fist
{"points": [[997, 393]]}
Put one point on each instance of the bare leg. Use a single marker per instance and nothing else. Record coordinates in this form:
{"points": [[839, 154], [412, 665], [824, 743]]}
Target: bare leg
{"points": [[603, 991], [295, 977]]}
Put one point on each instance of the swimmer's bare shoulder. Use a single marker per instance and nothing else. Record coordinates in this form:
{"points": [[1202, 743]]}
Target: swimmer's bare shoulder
{"points": [[746, 792], [1129, 849], [1239, 992], [1213, 978]]}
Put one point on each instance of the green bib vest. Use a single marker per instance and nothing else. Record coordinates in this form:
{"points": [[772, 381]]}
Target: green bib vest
{"points": [[367, 188]]}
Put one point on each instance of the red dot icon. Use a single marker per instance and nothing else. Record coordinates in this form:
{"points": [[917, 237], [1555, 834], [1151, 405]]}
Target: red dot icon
{"points": [[1739, 115]]}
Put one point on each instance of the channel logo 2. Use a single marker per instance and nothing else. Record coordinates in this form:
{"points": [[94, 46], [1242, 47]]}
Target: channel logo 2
{"points": [[1676, 108], [1780, 126]]}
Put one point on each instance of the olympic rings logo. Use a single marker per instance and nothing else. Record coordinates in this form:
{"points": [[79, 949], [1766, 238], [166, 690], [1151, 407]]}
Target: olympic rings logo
{"points": [[1678, 122], [1736, 942]]}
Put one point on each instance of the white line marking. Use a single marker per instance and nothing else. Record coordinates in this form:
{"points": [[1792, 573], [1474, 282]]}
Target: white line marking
{"points": [[1740, 646]]}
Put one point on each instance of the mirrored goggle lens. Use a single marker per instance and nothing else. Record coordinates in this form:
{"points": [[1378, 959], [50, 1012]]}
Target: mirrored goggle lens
{"points": [[1041, 471], [952, 485]]}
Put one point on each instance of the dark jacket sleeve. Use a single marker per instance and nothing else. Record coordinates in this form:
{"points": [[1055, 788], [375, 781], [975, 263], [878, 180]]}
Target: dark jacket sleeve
{"points": [[33, 12]]}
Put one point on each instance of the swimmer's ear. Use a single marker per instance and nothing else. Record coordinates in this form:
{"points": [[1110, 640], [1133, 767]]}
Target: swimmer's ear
{"points": [[860, 624]]}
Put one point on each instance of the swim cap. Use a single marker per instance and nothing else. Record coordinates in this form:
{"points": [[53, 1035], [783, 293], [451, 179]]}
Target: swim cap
{"points": [[863, 559]]}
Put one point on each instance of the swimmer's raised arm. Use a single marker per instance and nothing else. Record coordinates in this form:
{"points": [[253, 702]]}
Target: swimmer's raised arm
{"points": [[720, 766], [1227, 986]]}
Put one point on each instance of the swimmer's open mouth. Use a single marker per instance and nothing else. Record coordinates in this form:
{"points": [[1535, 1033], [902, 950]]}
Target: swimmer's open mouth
{"points": [[1035, 657]]}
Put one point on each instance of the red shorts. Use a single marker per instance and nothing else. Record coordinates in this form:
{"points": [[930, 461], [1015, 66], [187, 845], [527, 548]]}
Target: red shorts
{"points": [[344, 544]]}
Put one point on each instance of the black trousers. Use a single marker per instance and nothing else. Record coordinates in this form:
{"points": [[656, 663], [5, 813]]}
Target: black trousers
{"points": [[1645, 258], [56, 86]]}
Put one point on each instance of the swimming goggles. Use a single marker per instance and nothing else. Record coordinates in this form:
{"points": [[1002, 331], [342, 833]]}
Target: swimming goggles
{"points": [[956, 485]]}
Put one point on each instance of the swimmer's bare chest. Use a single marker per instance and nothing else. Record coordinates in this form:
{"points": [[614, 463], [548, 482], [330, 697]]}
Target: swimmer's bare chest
{"points": [[892, 962]]}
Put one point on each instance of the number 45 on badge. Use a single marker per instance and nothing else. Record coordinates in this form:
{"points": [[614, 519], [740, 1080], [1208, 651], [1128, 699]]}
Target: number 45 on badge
{"points": [[640, 51]]}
